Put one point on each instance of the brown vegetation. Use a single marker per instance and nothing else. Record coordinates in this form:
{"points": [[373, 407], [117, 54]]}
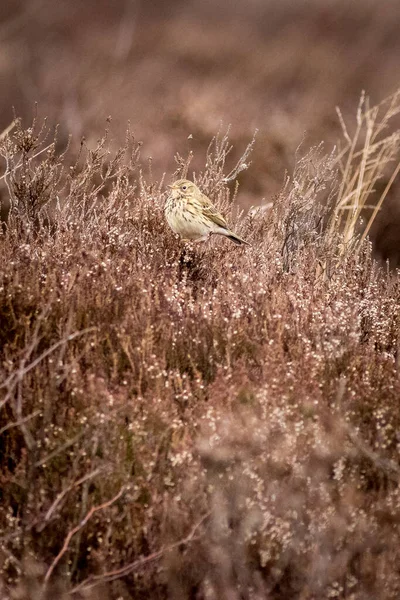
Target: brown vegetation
{"points": [[201, 421], [195, 421]]}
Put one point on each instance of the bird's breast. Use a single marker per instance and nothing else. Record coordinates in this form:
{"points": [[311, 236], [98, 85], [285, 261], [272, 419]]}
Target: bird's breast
{"points": [[185, 220]]}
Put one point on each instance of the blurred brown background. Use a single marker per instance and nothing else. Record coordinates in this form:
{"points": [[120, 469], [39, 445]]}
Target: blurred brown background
{"points": [[182, 67]]}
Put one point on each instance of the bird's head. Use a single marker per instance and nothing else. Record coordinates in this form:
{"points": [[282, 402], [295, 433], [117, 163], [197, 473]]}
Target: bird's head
{"points": [[183, 188]]}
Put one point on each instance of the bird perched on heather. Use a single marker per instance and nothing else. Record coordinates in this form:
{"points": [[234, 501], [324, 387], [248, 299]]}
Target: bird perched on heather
{"points": [[193, 216]]}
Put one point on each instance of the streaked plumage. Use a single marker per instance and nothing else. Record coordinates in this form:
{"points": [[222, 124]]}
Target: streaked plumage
{"points": [[191, 214]]}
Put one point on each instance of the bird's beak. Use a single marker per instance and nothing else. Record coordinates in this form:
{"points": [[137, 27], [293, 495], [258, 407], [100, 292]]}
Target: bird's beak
{"points": [[170, 187]]}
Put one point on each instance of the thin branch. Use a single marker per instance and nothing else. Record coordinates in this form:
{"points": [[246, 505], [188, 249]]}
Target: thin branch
{"points": [[77, 528], [242, 163], [62, 494], [391, 468], [60, 449], [20, 422], [18, 375], [19, 165], [118, 573], [7, 130]]}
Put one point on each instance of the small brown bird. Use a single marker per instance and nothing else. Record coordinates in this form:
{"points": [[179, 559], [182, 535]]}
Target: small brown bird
{"points": [[192, 215]]}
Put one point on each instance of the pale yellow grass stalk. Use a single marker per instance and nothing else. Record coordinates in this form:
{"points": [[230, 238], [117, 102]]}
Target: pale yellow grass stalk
{"points": [[367, 157], [8, 129]]}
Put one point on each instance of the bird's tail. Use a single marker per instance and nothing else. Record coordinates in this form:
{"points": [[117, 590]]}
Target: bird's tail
{"points": [[235, 238]]}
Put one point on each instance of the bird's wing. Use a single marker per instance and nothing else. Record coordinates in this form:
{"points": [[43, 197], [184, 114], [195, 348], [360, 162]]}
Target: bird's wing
{"points": [[209, 210]]}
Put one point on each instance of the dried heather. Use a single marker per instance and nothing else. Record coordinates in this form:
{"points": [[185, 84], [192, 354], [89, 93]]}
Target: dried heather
{"points": [[192, 421]]}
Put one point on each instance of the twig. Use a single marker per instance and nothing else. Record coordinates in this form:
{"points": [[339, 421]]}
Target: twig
{"points": [[12, 559], [18, 375], [61, 448], [61, 495], [20, 422], [117, 573], [242, 163], [19, 165], [7, 130], [84, 504], [391, 468], [77, 528]]}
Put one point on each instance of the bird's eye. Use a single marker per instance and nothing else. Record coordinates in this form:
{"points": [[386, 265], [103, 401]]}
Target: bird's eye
{"points": [[184, 187]]}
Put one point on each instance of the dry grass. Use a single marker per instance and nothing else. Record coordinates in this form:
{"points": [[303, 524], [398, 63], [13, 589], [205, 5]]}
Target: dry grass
{"points": [[196, 422], [362, 167]]}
